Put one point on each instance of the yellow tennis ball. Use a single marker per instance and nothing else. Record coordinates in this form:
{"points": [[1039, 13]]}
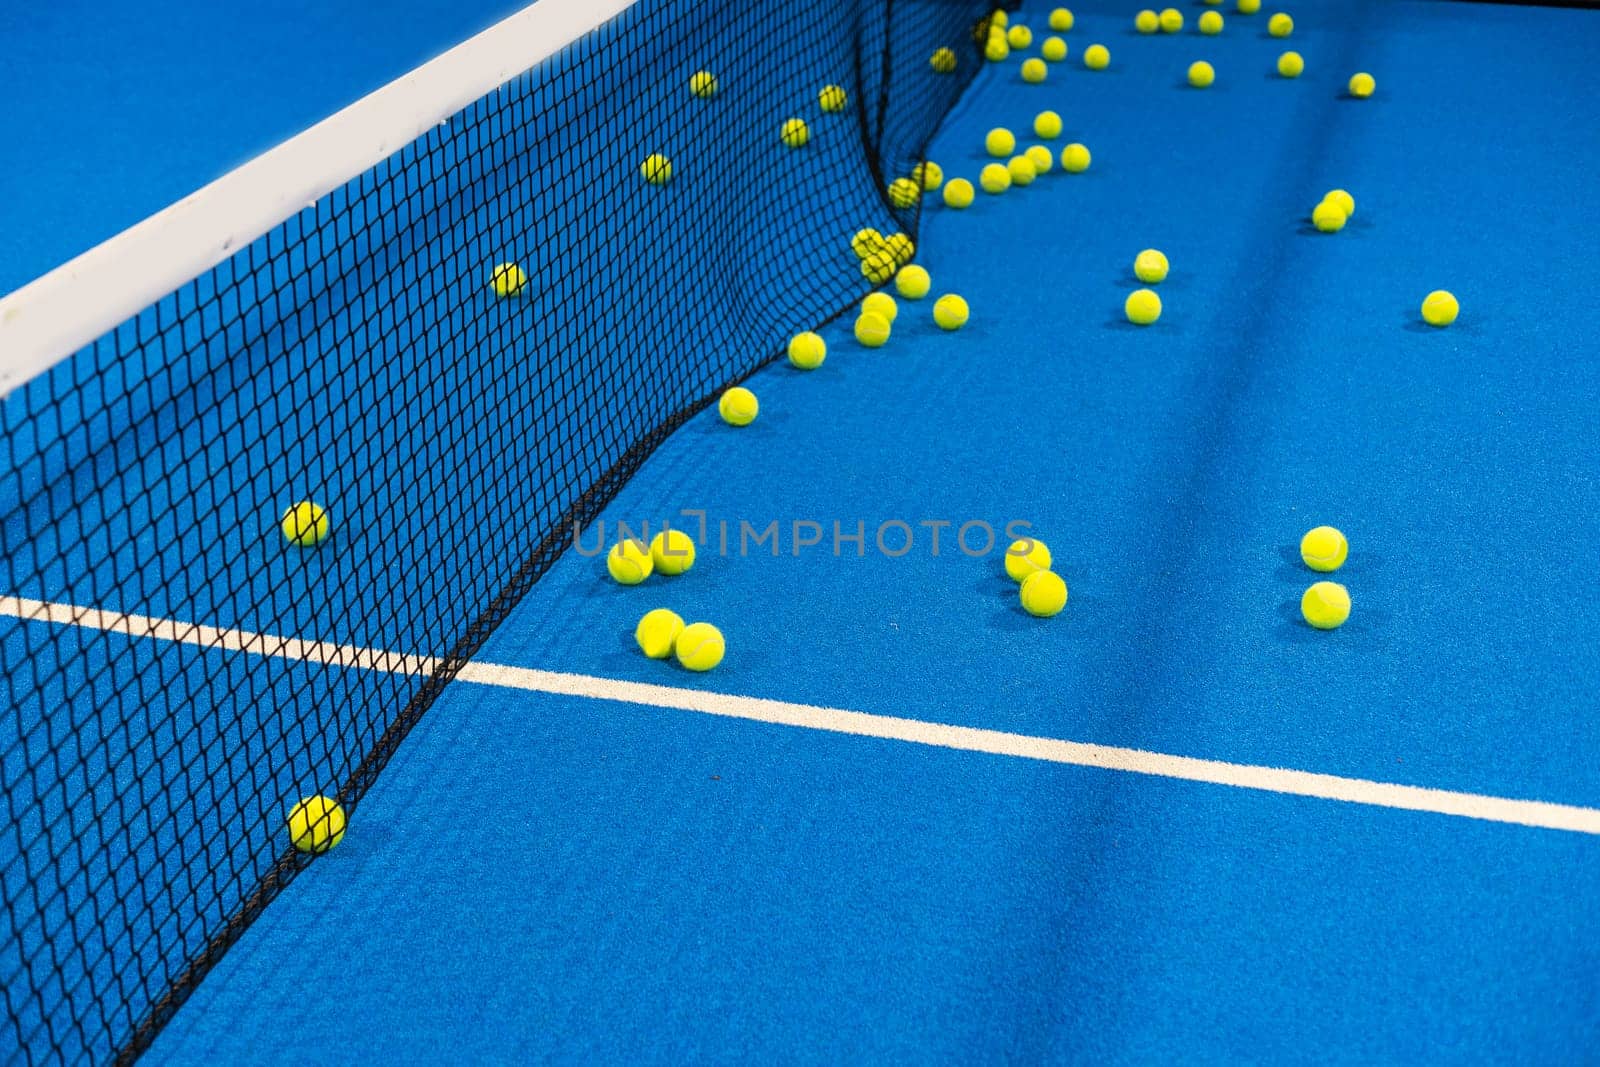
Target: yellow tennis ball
{"points": [[1142, 307], [1034, 71], [904, 193], [1025, 556], [1147, 21], [1022, 170], [1440, 308], [1041, 158], [316, 824], [943, 60], [796, 134], [1328, 216], [1326, 605], [900, 247], [629, 562], [1047, 124], [928, 174], [833, 98], [865, 242], [872, 330], [657, 633], [656, 169], [1324, 549], [1150, 266], [879, 266], [881, 304], [1291, 64], [1362, 85], [1201, 74], [1171, 20], [1054, 49], [950, 312], [1210, 23], [1249, 7], [306, 525], [1019, 36], [700, 646], [999, 142], [999, 18], [1280, 25], [996, 50], [1043, 594], [738, 406], [807, 350], [1061, 20], [913, 282], [672, 552], [1075, 159], [958, 193], [1343, 199], [995, 178], [507, 280], [703, 84], [1097, 57]]}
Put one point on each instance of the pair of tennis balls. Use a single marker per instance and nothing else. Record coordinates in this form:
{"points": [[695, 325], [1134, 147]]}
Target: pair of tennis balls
{"points": [[1325, 605], [631, 561], [1040, 590], [699, 646], [1143, 306]]}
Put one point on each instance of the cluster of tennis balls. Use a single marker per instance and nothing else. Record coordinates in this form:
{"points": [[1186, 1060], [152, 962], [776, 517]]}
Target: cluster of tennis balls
{"points": [[1041, 591], [1019, 169], [661, 633], [1325, 605], [999, 39]]}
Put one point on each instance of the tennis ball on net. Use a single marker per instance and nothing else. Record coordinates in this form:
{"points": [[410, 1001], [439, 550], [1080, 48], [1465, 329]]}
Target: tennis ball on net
{"points": [[1343, 199], [306, 525], [1043, 594], [1041, 158], [901, 247], [316, 824], [872, 330], [1142, 307], [833, 98], [795, 133], [672, 552], [1328, 217], [1202, 74], [1291, 65], [507, 280], [629, 562], [999, 142], [995, 178], [1150, 266], [1440, 308], [1147, 21], [879, 267], [958, 193], [700, 646], [904, 193], [807, 350], [1210, 24], [1025, 556], [866, 242], [928, 174], [1047, 124], [913, 282], [1324, 549], [656, 169], [703, 84], [657, 633], [1061, 20], [1054, 49], [1075, 159], [1280, 25], [1326, 605], [950, 312], [881, 304], [738, 406], [1097, 57], [1362, 86], [1022, 170], [943, 61], [1034, 70], [1171, 20]]}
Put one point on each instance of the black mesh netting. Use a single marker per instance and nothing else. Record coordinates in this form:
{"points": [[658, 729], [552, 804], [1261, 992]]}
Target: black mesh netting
{"points": [[355, 356]]}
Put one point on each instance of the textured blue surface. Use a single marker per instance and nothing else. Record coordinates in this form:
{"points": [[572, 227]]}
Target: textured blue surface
{"points": [[537, 877]]}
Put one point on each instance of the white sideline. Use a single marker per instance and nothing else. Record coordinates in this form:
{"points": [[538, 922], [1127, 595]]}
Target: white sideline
{"points": [[49, 319], [1534, 813]]}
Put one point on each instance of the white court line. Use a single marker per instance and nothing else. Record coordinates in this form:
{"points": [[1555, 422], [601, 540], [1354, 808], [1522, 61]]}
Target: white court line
{"points": [[1535, 813]]}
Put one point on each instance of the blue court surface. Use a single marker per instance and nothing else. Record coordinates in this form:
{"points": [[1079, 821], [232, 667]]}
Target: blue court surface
{"points": [[611, 878]]}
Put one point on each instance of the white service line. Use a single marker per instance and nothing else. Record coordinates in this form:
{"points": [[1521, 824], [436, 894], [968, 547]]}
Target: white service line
{"points": [[1535, 813]]}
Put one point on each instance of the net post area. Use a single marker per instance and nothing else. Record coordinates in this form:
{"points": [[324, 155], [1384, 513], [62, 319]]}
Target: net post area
{"points": [[356, 355]]}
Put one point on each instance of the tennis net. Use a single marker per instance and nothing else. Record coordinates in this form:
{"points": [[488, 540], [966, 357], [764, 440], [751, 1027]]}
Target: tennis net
{"points": [[320, 325]]}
